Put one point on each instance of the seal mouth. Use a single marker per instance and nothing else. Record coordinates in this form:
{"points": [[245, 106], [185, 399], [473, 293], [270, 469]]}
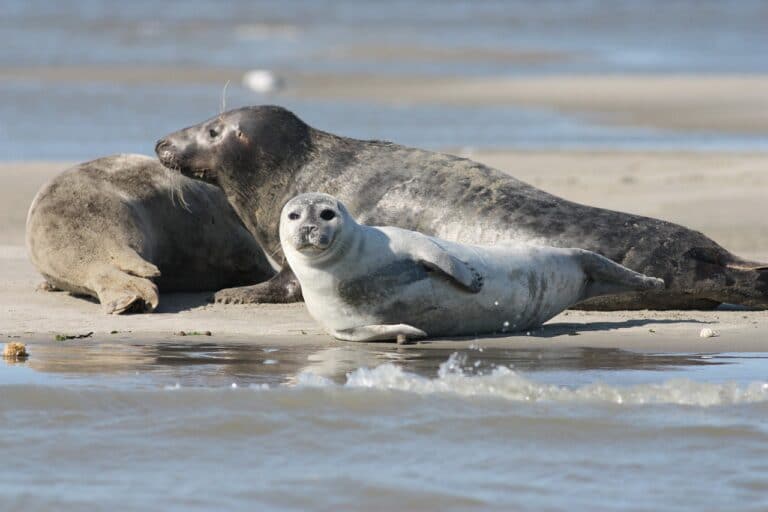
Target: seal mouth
{"points": [[204, 174], [169, 160], [312, 245]]}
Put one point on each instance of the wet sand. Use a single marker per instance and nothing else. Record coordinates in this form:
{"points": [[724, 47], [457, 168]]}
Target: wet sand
{"points": [[722, 103], [717, 193]]}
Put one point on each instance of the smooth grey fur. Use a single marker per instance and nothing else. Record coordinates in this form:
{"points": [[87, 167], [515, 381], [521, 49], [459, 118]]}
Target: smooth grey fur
{"points": [[366, 283], [119, 227], [262, 156]]}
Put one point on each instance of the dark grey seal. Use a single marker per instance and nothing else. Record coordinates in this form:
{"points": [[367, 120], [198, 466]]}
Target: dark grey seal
{"points": [[118, 228], [263, 156]]}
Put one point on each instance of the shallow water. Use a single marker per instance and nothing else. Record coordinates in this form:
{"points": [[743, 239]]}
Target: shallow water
{"points": [[136, 426], [84, 120]]}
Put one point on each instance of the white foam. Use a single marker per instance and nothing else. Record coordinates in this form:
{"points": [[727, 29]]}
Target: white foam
{"points": [[507, 384]]}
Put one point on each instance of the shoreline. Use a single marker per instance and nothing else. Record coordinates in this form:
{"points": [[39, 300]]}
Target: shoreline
{"points": [[711, 192], [656, 332]]}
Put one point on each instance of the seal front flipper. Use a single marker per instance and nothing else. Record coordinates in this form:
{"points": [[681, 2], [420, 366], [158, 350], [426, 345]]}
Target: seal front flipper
{"points": [[378, 333], [120, 292], [282, 288], [129, 261], [435, 257]]}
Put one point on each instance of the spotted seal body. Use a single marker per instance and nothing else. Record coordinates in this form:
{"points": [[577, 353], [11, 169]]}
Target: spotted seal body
{"points": [[263, 156], [366, 283], [118, 228]]}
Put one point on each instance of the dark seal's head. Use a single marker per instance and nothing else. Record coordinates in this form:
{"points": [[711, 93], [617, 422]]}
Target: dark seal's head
{"points": [[314, 227], [238, 145]]}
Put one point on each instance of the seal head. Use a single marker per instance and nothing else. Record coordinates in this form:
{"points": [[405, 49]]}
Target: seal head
{"points": [[259, 138], [314, 227]]}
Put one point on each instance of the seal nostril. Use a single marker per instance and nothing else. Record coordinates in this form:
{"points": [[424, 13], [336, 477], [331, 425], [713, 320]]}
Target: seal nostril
{"points": [[308, 229]]}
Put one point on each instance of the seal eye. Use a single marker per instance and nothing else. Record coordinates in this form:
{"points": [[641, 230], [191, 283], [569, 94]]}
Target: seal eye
{"points": [[327, 214], [293, 215], [213, 133]]}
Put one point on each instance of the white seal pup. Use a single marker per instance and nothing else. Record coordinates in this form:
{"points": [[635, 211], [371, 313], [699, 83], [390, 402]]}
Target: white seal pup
{"points": [[365, 283]]}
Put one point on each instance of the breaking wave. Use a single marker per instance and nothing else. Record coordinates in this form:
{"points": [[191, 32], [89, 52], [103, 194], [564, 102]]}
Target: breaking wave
{"points": [[504, 383]]}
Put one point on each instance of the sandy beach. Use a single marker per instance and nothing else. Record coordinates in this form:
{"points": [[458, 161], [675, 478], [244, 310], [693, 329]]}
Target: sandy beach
{"points": [[717, 193]]}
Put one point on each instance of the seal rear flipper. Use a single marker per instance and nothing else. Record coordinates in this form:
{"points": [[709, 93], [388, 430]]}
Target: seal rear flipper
{"points": [[606, 277], [378, 333], [120, 293], [723, 277], [742, 285]]}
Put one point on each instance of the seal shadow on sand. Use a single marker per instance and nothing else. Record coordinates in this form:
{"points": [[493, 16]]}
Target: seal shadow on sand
{"points": [[567, 328], [183, 301], [552, 330]]}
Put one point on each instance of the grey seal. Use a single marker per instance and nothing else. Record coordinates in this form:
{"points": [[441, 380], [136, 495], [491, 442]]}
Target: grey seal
{"points": [[120, 227], [366, 283], [262, 156]]}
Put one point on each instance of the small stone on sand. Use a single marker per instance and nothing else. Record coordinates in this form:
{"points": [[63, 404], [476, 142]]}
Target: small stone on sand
{"points": [[15, 351], [708, 333]]}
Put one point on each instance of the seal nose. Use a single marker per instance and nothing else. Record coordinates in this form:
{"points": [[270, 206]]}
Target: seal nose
{"points": [[308, 228]]}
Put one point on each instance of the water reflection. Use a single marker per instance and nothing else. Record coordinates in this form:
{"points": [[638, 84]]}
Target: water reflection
{"points": [[221, 364]]}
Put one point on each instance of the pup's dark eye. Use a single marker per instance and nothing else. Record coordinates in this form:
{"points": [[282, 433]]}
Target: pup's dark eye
{"points": [[213, 133], [327, 214], [293, 215]]}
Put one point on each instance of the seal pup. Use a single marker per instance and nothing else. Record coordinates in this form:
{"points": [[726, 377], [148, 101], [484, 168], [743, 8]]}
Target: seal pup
{"points": [[365, 283], [120, 227], [263, 156]]}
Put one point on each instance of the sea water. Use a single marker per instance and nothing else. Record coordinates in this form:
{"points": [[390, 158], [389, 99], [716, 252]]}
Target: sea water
{"points": [[84, 118], [95, 425]]}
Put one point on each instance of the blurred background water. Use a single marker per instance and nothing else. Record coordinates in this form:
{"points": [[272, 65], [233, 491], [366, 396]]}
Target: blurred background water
{"points": [[91, 106]]}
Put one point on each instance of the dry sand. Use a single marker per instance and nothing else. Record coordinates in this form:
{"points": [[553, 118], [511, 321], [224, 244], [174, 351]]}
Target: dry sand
{"points": [[719, 194]]}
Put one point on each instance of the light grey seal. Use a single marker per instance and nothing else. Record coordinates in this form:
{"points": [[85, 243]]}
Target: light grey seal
{"points": [[365, 283], [118, 228], [263, 156]]}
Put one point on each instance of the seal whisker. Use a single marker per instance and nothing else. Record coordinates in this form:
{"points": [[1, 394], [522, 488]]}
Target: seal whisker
{"points": [[224, 98], [176, 188]]}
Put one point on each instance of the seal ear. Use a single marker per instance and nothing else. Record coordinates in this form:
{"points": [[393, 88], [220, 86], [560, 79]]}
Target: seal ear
{"points": [[242, 136]]}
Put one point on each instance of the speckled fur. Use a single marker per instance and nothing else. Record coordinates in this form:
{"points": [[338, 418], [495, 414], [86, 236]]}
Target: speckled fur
{"points": [[263, 156], [366, 283], [119, 227]]}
